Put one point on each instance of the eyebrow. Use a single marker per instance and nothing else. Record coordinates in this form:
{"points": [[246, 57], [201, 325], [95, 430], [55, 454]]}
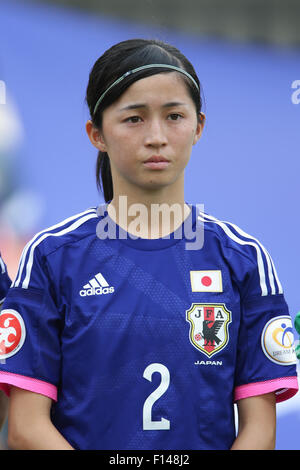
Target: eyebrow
{"points": [[171, 104]]}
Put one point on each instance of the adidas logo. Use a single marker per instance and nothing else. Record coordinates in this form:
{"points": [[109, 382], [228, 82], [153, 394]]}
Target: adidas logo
{"points": [[96, 286]]}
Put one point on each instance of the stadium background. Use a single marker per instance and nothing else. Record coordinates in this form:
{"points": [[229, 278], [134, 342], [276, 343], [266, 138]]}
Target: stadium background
{"points": [[245, 168]]}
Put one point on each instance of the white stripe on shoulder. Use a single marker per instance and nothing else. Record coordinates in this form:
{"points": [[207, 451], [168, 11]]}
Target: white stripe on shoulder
{"points": [[260, 250], [82, 217]]}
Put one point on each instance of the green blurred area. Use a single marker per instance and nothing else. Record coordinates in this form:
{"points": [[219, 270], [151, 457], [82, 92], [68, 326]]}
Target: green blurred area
{"points": [[268, 21]]}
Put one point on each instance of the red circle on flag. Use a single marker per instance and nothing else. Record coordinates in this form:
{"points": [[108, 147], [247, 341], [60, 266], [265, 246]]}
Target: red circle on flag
{"points": [[206, 281], [12, 333]]}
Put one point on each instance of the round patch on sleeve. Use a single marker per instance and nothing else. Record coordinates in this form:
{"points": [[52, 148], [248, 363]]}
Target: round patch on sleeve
{"points": [[12, 333], [277, 341]]}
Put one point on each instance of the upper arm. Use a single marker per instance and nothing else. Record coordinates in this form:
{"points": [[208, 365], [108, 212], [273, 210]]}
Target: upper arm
{"points": [[26, 409], [26, 406], [257, 421], [29, 423], [260, 408]]}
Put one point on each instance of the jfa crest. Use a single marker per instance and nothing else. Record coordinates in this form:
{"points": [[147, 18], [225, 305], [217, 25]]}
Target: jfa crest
{"points": [[208, 327]]}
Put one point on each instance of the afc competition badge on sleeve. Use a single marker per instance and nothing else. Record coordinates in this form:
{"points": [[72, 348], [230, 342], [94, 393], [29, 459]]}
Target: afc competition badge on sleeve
{"points": [[277, 341], [12, 333]]}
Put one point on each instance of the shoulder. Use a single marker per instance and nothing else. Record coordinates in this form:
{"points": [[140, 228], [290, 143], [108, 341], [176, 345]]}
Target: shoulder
{"points": [[50, 240], [230, 235], [244, 251], [69, 230]]}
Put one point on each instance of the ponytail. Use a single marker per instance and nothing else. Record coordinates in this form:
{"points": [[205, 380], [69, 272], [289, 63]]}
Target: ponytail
{"points": [[103, 176]]}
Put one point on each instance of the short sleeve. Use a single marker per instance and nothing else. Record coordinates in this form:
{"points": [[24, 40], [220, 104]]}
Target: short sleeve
{"points": [[266, 360], [30, 326]]}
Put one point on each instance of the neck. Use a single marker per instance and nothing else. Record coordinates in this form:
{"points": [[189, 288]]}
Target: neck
{"points": [[152, 214]]}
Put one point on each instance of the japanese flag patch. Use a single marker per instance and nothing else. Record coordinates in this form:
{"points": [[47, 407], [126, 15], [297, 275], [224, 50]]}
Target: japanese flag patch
{"points": [[206, 281]]}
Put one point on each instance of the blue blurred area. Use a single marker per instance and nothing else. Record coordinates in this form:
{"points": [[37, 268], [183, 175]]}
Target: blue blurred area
{"points": [[245, 168]]}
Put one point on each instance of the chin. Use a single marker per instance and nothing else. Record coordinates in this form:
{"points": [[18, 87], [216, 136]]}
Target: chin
{"points": [[158, 182]]}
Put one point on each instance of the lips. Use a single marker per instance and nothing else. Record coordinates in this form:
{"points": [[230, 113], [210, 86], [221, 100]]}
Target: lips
{"points": [[156, 159], [156, 162]]}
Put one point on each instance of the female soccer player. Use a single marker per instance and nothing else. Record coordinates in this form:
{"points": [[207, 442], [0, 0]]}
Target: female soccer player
{"points": [[139, 323]]}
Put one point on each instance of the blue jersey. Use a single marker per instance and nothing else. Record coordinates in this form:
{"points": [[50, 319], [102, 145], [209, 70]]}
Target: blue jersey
{"points": [[5, 281], [147, 343]]}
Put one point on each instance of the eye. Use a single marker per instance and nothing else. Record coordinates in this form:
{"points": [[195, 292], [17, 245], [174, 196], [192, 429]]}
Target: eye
{"points": [[133, 119], [175, 116]]}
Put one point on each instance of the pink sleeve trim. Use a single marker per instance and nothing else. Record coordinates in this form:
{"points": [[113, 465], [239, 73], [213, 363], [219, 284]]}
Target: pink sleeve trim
{"points": [[27, 383], [284, 388]]}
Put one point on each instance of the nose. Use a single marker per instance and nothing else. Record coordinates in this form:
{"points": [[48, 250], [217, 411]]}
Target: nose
{"points": [[155, 134]]}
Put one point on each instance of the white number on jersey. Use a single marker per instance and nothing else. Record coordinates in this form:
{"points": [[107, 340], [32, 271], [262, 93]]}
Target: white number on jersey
{"points": [[148, 423]]}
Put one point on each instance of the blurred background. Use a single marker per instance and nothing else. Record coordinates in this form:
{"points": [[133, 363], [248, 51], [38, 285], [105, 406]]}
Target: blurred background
{"points": [[245, 169]]}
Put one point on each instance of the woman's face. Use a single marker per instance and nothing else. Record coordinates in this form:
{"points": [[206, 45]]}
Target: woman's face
{"points": [[148, 133]]}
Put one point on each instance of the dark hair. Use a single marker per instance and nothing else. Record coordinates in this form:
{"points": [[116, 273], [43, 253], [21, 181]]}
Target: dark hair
{"points": [[118, 60]]}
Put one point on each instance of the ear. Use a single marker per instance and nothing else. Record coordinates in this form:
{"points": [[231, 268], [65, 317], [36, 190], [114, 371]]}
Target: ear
{"points": [[200, 126], [95, 136]]}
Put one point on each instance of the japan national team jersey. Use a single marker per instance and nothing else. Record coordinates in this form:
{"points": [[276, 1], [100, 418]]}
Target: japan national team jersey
{"points": [[5, 281], [146, 343]]}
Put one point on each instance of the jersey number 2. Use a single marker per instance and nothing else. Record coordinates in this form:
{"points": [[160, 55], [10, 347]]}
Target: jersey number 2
{"points": [[148, 423]]}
